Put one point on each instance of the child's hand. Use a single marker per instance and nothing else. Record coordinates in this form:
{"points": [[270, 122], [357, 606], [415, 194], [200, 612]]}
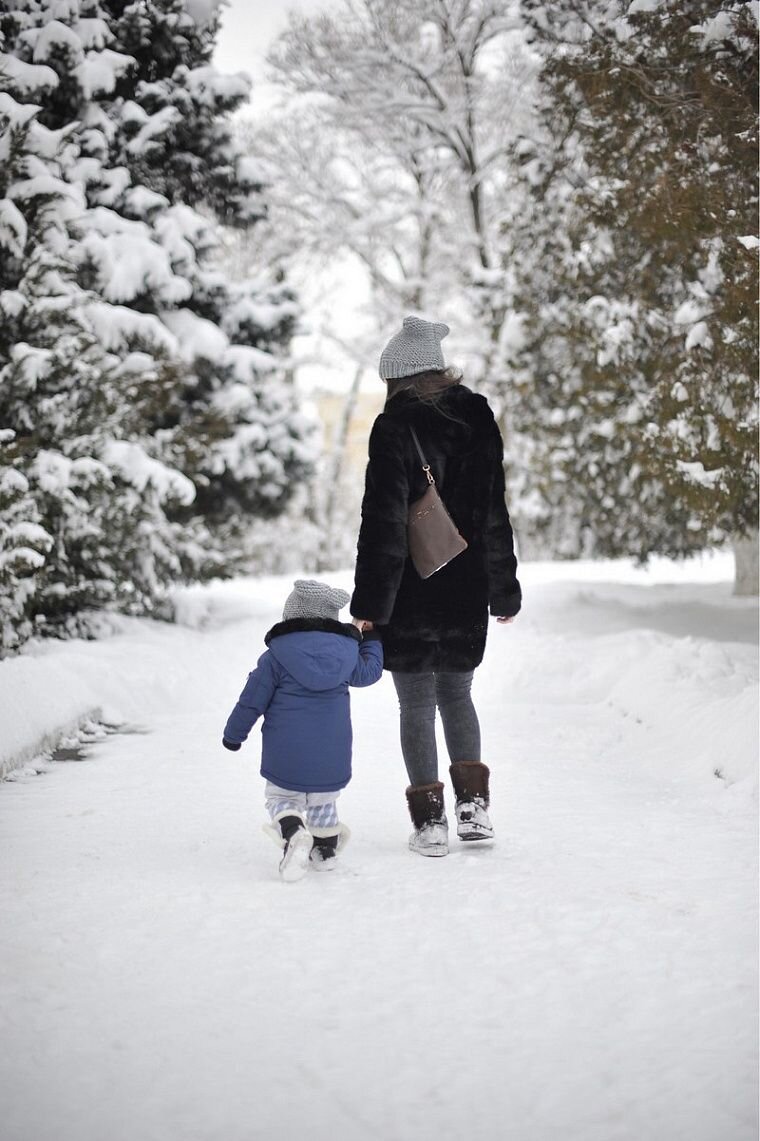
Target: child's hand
{"points": [[363, 624], [233, 746], [504, 621]]}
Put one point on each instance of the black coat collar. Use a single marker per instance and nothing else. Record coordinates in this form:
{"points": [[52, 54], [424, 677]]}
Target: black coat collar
{"points": [[409, 396], [309, 625]]}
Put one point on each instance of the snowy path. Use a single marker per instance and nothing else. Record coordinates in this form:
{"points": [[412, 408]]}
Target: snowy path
{"points": [[590, 978]]}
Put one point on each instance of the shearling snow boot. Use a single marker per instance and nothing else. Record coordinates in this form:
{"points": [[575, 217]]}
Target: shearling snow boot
{"points": [[298, 841], [470, 781], [431, 828], [327, 843]]}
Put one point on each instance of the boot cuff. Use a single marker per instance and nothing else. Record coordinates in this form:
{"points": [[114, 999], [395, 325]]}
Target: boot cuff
{"points": [[470, 780], [425, 803]]}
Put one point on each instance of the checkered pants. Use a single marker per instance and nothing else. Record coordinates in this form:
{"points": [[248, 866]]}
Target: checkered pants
{"points": [[318, 809]]}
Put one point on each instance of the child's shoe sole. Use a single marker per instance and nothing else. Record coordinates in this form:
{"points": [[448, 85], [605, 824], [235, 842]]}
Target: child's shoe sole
{"points": [[294, 864]]}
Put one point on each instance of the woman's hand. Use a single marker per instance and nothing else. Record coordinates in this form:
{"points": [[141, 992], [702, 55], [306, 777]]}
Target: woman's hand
{"points": [[362, 624], [504, 621]]}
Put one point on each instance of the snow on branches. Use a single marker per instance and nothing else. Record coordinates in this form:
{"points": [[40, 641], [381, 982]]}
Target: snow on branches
{"points": [[133, 455], [637, 373]]}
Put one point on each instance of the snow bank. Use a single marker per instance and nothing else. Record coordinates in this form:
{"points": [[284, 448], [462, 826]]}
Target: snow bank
{"points": [[666, 650], [128, 676], [665, 658]]}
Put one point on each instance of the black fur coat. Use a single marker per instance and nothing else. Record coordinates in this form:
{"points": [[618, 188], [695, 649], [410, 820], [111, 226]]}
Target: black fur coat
{"points": [[438, 623]]}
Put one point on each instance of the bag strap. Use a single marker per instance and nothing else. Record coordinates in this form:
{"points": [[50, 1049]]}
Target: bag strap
{"points": [[425, 464]]}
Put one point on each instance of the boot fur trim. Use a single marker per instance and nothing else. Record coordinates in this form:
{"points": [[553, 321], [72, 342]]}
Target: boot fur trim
{"points": [[273, 832], [470, 781], [342, 831], [425, 802]]}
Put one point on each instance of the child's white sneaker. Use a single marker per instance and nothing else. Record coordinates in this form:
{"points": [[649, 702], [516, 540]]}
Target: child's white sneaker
{"points": [[324, 854], [327, 843], [295, 861], [290, 833]]}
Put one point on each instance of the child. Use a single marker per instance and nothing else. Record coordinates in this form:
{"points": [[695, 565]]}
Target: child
{"points": [[300, 687]]}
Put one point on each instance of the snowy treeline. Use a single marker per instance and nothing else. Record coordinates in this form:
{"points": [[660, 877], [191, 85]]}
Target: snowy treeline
{"points": [[637, 274], [573, 187], [146, 415]]}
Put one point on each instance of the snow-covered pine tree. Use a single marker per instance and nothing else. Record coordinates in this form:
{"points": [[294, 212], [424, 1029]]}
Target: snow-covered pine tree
{"points": [[24, 544], [91, 540], [23, 541], [235, 422], [169, 380], [639, 274]]}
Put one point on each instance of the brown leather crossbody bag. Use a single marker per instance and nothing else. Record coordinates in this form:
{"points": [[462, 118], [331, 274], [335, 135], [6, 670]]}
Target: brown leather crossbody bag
{"points": [[433, 537]]}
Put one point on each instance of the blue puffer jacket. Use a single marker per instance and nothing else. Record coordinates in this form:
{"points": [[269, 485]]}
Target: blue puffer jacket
{"points": [[300, 687]]}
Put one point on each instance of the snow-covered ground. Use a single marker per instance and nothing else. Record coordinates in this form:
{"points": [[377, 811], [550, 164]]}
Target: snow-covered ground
{"points": [[589, 978]]}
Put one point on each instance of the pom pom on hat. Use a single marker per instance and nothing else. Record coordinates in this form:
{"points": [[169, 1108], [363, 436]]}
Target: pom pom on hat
{"points": [[312, 599], [417, 348]]}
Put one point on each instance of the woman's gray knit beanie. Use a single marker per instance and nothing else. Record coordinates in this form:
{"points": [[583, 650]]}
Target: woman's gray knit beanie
{"points": [[417, 348], [311, 599]]}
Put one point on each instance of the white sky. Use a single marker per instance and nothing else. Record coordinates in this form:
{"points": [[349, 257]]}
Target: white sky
{"points": [[248, 29]]}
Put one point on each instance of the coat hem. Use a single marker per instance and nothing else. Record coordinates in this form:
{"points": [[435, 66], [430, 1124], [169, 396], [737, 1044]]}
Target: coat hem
{"points": [[277, 779]]}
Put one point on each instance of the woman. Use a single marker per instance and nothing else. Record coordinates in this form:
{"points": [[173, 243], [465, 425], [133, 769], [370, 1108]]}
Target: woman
{"points": [[434, 629]]}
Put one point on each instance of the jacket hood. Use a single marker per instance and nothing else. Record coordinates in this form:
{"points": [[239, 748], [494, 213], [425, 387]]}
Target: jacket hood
{"points": [[319, 653]]}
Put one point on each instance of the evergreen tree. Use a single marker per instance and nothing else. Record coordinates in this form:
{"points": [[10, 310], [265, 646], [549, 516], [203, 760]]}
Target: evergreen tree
{"points": [[638, 275], [62, 402], [147, 397], [24, 544]]}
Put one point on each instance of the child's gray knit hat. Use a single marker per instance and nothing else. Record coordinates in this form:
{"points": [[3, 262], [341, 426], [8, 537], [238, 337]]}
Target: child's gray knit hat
{"points": [[311, 599], [417, 348]]}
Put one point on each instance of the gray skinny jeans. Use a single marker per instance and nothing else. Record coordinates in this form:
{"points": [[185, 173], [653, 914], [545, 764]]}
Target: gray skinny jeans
{"points": [[419, 694]]}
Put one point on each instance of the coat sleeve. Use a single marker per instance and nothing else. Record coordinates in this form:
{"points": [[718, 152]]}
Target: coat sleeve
{"points": [[369, 668], [504, 593], [253, 701], [382, 546]]}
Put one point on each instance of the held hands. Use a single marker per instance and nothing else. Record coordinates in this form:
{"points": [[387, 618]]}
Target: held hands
{"points": [[364, 623]]}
